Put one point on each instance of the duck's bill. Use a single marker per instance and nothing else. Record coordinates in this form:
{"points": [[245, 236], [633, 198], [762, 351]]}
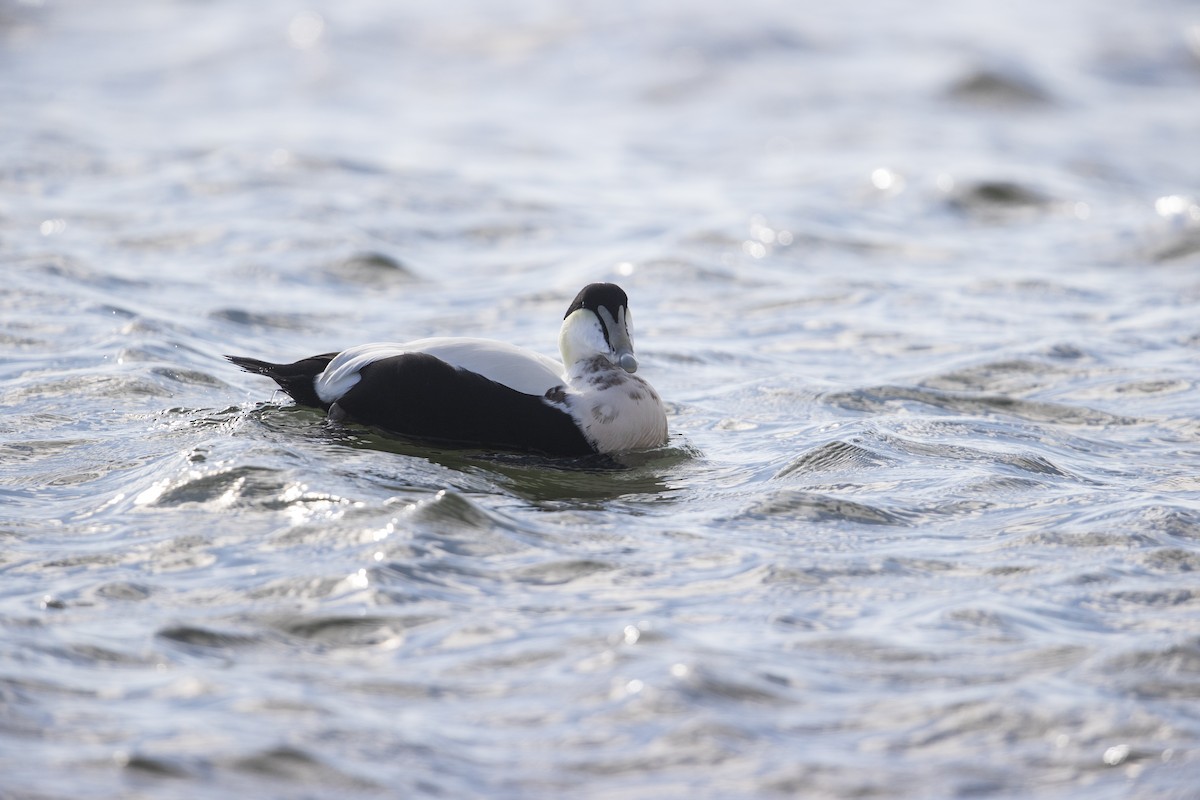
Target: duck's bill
{"points": [[619, 340]]}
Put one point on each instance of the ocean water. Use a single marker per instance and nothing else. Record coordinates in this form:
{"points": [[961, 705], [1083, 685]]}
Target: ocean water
{"points": [[917, 281]]}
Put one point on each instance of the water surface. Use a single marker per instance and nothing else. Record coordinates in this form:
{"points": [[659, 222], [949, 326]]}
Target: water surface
{"points": [[918, 284]]}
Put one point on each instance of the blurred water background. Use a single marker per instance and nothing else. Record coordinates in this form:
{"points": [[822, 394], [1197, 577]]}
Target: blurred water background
{"points": [[918, 281]]}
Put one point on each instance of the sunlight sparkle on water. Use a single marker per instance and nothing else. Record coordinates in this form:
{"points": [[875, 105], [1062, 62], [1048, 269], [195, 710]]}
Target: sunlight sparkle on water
{"points": [[622, 689], [1116, 754], [886, 180], [51, 227], [754, 249], [1177, 205], [926, 442], [762, 236], [306, 29], [280, 158]]}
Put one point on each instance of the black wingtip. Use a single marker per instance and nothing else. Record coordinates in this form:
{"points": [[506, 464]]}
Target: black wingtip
{"points": [[252, 364], [297, 379]]}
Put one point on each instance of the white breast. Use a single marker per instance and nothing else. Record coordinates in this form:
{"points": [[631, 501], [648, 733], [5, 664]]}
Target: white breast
{"points": [[624, 415], [512, 366]]}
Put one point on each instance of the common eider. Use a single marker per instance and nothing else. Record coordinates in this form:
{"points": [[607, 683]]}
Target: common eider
{"points": [[488, 394]]}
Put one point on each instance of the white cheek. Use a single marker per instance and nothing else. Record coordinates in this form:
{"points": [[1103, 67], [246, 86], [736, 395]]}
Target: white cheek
{"points": [[581, 337], [596, 337]]}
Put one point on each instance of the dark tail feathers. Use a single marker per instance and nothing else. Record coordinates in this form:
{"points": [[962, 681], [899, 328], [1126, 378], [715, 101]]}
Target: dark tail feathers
{"points": [[296, 379]]}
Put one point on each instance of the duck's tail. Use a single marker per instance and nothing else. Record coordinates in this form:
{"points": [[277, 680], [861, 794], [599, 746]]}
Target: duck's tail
{"points": [[298, 379]]}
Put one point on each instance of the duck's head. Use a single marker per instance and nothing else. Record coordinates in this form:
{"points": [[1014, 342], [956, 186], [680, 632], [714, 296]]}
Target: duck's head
{"points": [[598, 324]]}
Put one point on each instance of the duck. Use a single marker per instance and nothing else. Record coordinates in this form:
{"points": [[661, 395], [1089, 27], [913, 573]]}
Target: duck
{"points": [[485, 394]]}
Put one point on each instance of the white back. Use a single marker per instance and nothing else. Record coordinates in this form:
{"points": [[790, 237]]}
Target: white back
{"points": [[515, 367]]}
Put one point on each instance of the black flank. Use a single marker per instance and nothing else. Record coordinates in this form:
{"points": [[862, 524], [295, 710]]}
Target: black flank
{"points": [[423, 397]]}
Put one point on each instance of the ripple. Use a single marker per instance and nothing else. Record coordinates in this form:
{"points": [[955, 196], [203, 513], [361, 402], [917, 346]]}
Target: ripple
{"points": [[190, 377], [34, 450], [556, 573], [123, 591], [1170, 673], [1079, 539], [452, 524], [427, 577], [357, 631], [796, 504], [928, 522], [226, 486], [1000, 87], [1178, 237], [1186, 598], [374, 270], [1170, 561], [998, 199], [199, 639], [881, 399], [1005, 376], [262, 320], [836, 569], [708, 684], [100, 656], [78, 271], [832, 457], [1140, 518], [154, 766], [996, 623], [297, 766], [78, 388]]}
